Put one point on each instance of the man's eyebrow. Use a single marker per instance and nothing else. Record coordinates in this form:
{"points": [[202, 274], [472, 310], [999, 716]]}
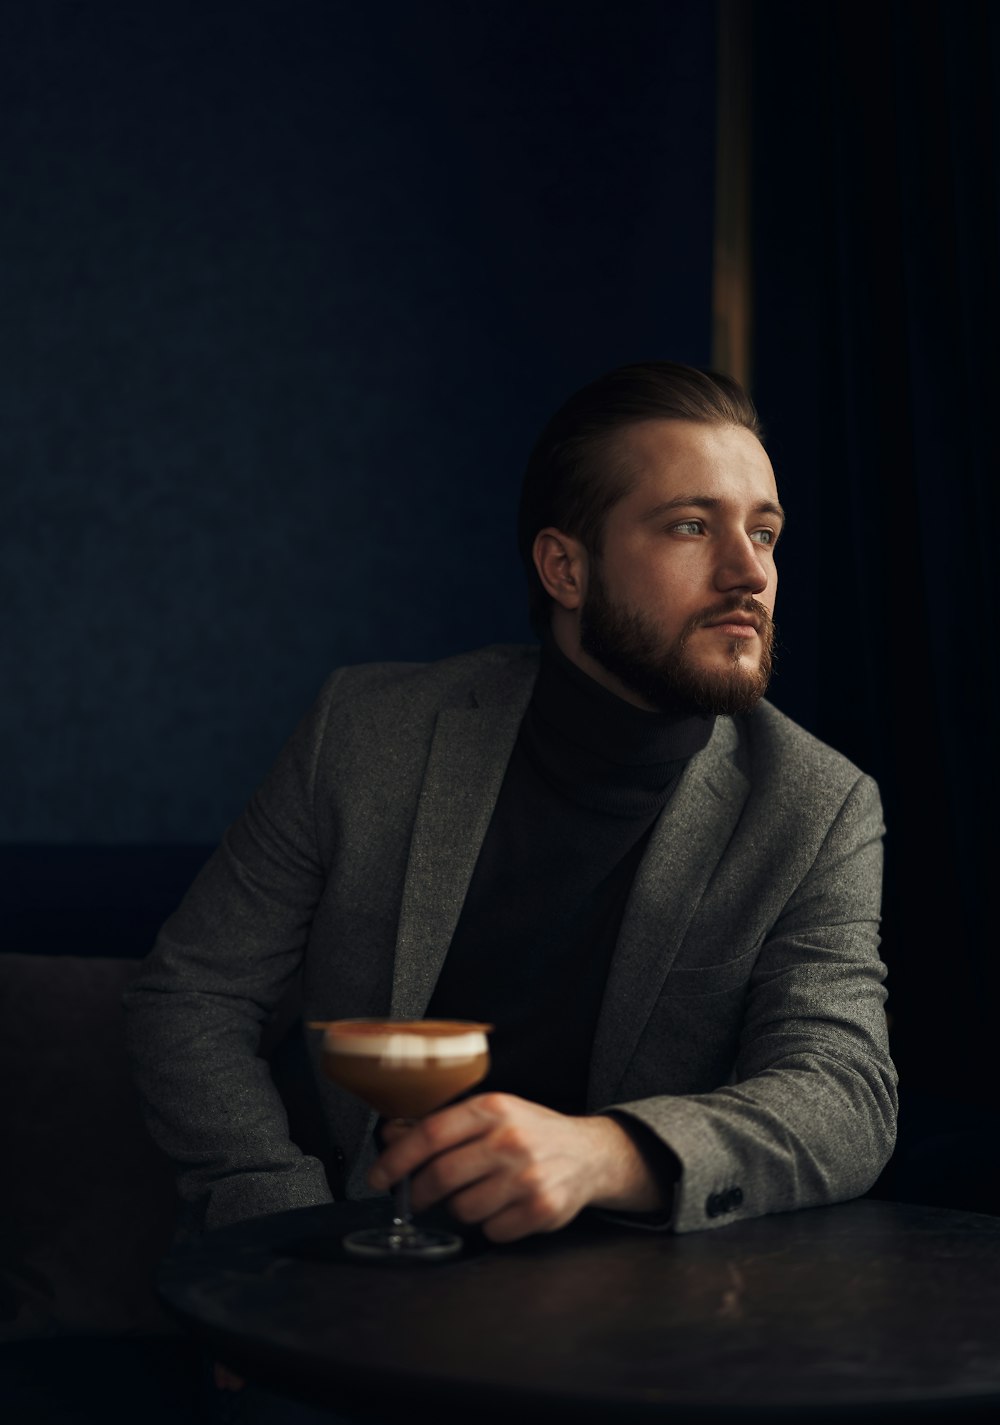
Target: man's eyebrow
{"points": [[706, 502]]}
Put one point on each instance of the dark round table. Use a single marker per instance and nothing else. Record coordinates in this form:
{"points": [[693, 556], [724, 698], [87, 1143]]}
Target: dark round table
{"points": [[865, 1310]]}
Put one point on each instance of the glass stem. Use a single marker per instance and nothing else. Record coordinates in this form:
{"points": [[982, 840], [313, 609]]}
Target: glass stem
{"points": [[402, 1215]]}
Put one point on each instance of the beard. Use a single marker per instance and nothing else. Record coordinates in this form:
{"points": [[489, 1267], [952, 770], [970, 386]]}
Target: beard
{"points": [[628, 644]]}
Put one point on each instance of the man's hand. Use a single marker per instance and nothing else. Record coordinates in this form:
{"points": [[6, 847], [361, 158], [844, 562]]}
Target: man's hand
{"points": [[515, 1167]]}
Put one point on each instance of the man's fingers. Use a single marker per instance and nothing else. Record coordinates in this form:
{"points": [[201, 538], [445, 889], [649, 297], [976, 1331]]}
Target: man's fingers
{"points": [[481, 1200], [521, 1219], [450, 1173], [394, 1128], [439, 1133]]}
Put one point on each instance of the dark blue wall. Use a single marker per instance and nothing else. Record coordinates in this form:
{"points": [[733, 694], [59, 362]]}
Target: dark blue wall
{"points": [[287, 290]]}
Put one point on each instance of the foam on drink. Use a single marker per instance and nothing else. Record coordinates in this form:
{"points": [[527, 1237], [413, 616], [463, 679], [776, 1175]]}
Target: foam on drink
{"points": [[405, 1068]]}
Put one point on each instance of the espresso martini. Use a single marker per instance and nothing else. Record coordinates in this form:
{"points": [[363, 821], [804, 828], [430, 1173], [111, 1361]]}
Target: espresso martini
{"points": [[405, 1068]]}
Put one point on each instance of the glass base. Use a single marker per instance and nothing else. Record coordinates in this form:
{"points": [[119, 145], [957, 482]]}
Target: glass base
{"points": [[403, 1240]]}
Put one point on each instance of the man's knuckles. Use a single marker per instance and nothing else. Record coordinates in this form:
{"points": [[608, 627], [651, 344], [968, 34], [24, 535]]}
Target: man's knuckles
{"points": [[545, 1207], [514, 1142], [496, 1105], [434, 1134]]}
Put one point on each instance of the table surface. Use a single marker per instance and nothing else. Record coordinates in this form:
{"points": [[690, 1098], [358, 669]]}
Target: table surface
{"points": [[873, 1306]]}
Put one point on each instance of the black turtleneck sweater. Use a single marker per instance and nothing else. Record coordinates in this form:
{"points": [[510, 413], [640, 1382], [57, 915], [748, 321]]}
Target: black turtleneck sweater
{"points": [[589, 775]]}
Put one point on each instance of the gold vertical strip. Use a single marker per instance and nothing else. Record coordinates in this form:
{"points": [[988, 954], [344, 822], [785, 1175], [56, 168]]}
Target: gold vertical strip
{"points": [[731, 278]]}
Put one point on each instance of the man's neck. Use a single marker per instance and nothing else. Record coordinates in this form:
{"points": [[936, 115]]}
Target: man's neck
{"points": [[565, 633]]}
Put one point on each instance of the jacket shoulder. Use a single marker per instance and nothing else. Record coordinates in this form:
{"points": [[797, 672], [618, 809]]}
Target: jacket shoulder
{"points": [[779, 750], [455, 681]]}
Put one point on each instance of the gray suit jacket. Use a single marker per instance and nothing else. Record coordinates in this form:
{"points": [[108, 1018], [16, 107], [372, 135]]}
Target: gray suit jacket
{"points": [[742, 1020]]}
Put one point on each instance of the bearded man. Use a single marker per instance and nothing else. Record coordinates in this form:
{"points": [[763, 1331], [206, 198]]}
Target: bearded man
{"points": [[662, 892]]}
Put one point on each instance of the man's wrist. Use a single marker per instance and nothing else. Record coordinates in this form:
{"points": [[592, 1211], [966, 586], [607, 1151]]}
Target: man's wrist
{"points": [[628, 1180]]}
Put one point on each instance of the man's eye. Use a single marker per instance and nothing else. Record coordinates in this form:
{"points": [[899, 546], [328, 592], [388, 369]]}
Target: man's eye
{"points": [[687, 527], [763, 536]]}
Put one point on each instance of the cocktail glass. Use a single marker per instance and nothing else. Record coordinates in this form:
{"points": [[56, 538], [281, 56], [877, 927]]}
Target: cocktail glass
{"points": [[404, 1069]]}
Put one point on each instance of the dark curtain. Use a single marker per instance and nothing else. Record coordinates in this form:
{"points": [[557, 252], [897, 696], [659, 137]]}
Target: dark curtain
{"points": [[876, 153]]}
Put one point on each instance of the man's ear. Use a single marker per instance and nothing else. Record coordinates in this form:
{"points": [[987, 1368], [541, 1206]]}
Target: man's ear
{"points": [[562, 565]]}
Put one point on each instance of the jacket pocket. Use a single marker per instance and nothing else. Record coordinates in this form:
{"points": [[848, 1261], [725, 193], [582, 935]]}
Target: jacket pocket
{"points": [[715, 979]]}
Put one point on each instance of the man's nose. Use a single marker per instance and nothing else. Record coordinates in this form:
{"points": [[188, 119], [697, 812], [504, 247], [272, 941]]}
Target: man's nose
{"points": [[741, 565]]}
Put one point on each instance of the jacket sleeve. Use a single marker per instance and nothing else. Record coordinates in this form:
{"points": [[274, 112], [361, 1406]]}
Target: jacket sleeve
{"points": [[808, 1115], [194, 1014]]}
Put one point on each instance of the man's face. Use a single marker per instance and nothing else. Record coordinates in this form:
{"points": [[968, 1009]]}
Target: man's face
{"points": [[678, 604]]}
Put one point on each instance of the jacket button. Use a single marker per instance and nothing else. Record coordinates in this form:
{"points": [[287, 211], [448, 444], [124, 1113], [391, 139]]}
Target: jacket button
{"points": [[714, 1204]]}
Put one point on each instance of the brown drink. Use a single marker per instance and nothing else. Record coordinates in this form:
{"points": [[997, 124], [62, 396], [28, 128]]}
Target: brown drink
{"points": [[405, 1068]]}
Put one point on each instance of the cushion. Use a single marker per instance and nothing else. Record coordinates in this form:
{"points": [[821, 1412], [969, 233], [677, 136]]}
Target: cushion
{"points": [[87, 1201]]}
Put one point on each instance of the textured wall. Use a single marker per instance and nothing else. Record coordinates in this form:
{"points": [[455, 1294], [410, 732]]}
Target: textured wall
{"points": [[287, 291]]}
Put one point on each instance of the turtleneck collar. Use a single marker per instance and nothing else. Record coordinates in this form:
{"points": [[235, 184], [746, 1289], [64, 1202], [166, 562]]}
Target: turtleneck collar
{"points": [[599, 750]]}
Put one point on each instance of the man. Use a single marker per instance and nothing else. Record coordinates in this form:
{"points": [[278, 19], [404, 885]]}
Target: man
{"points": [[662, 892]]}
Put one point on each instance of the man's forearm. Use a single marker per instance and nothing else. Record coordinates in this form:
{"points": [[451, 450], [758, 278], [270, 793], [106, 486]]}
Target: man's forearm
{"points": [[211, 1105]]}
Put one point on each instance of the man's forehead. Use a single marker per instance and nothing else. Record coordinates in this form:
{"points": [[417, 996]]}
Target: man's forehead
{"points": [[696, 457]]}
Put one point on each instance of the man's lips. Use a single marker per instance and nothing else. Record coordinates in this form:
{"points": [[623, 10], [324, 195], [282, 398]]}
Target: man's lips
{"points": [[738, 625]]}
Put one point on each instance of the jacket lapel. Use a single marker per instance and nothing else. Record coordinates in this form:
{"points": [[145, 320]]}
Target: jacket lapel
{"points": [[686, 845], [471, 748]]}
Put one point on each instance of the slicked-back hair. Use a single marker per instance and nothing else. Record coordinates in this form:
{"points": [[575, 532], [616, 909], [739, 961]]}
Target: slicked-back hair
{"points": [[577, 471]]}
